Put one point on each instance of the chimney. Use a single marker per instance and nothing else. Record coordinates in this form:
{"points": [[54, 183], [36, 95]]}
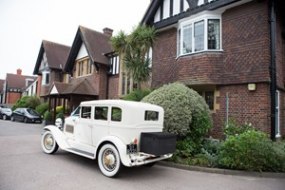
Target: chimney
{"points": [[19, 71], [108, 31]]}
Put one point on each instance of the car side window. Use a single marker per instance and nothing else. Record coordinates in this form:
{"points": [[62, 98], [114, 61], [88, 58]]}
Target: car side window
{"points": [[116, 114], [86, 112], [101, 113]]}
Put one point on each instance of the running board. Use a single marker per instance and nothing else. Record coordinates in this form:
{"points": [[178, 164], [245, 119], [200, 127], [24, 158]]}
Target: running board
{"points": [[81, 153]]}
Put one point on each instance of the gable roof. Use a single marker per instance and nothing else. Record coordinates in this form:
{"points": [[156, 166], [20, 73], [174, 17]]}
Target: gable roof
{"points": [[97, 45], [148, 17], [17, 81], [56, 55]]}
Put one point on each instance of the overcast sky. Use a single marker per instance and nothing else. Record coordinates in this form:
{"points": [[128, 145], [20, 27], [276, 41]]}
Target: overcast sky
{"points": [[25, 23]]}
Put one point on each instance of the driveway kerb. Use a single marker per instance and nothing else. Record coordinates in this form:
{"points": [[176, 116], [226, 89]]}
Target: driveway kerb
{"points": [[222, 171]]}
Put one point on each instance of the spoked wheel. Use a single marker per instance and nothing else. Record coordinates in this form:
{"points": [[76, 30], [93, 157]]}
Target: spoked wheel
{"points": [[48, 143], [109, 160]]}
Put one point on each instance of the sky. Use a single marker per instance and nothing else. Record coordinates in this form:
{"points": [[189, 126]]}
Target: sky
{"points": [[25, 23]]}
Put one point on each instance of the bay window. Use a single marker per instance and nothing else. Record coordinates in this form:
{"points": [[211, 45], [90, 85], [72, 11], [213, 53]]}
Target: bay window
{"points": [[199, 34]]}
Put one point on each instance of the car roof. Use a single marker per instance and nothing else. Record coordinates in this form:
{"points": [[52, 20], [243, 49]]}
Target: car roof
{"points": [[122, 103]]}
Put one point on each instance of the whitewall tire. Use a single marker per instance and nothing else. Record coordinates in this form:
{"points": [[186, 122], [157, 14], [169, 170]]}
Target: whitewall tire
{"points": [[48, 143], [109, 160]]}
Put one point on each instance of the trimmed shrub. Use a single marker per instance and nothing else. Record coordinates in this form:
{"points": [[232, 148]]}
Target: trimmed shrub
{"points": [[252, 150], [27, 102], [186, 112], [137, 95], [59, 109], [42, 108], [47, 116]]}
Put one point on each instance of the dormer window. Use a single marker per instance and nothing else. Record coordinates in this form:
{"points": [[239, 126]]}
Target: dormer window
{"points": [[199, 34]]}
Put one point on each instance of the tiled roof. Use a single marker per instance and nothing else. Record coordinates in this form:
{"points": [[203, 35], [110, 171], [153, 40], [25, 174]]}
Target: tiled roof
{"points": [[97, 45], [57, 55], [78, 87], [17, 81]]}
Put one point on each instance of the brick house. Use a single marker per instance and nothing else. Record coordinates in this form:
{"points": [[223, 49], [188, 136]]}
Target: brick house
{"points": [[49, 66], [231, 51], [15, 85], [91, 69]]}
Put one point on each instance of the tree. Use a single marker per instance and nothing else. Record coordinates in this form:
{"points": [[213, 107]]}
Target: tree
{"points": [[134, 49]]}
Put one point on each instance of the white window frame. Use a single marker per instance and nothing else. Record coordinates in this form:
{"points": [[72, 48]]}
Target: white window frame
{"points": [[44, 74], [204, 16]]}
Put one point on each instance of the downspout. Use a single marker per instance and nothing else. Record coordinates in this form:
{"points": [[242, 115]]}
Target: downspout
{"points": [[272, 67]]}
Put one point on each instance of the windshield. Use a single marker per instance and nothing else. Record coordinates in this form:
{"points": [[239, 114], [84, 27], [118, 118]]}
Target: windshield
{"points": [[32, 112], [75, 112]]}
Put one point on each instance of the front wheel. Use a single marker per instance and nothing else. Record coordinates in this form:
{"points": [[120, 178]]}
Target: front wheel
{"points": [[109, 160], [48, 143]]}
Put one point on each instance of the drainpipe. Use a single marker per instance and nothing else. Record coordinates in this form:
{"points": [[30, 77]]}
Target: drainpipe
{"points": [[272, 67]]}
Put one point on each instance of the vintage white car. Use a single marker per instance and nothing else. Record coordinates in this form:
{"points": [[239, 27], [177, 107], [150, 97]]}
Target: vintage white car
{"points": [[116, 132]]}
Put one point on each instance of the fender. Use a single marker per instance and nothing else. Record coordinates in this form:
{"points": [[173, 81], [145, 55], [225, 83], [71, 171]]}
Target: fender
{"points": [[121, 147], [59, 136]]}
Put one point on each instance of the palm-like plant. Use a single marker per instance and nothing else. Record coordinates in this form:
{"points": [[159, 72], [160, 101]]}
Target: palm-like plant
{"points": [[134, 49]]}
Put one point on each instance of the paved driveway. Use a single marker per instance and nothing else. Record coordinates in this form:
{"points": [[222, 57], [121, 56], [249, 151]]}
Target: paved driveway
{"points": [[23, 166]]}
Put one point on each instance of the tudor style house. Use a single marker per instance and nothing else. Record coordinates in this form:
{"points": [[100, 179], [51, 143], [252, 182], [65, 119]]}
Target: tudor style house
{"points": [[231, 51], [49, 66]]}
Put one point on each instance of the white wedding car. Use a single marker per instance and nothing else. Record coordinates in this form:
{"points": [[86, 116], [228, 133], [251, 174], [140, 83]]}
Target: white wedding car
{"points": [[114, 132]]}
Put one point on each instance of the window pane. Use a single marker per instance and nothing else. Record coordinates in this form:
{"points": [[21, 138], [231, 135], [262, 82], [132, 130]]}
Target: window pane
{"points": [[209, 98], [116, 114], [86, 112], [101, 113], [178, 42], [213, 34], [47, 78], [187, 39], [199, 35], [151, 116]]}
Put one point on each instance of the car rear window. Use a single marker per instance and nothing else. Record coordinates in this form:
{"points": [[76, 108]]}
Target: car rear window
{"points": [[116, 114], [151, 115]]}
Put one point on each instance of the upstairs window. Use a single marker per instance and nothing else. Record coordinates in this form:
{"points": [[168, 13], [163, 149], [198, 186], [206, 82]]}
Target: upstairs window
{"points": [[199, 34], [45, 77]]}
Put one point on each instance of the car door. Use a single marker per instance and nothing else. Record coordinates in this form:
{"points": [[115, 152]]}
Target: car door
{"points": [[100, 127], [83, 128], [17, 114]]}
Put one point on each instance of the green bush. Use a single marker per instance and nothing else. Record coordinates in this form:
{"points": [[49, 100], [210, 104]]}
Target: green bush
{"points": [[235, 129], [27, 102], [47, 116], [137, 95], [59, 109], [186, 112], [60, 115], [42, 108], [252, 150]]}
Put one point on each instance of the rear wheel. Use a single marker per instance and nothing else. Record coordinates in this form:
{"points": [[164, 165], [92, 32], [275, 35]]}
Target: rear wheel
{"points": [[109, 160], [48, 143], [4, 117], [25, 120], [12, 118]]}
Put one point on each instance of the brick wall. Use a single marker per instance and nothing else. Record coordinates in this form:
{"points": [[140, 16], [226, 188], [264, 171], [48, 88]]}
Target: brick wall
{"points": [[12, 97], [113, 92], [244, 106]]}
